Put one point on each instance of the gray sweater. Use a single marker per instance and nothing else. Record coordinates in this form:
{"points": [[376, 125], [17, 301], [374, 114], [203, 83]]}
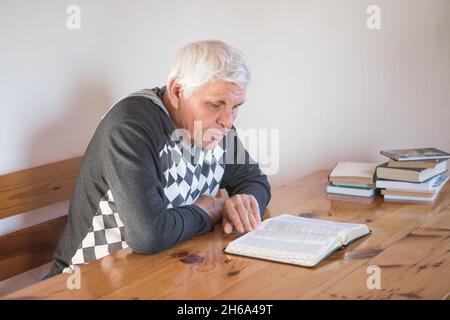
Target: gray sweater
{"points": [[138, 183]]}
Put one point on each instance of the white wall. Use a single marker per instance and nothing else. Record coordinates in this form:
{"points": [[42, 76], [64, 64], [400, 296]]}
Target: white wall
{"points": [[335, 90]]}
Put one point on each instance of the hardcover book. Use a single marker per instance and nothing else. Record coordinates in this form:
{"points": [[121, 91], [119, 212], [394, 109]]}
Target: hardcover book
{"points": [[296, 240], [410, 174], [416, 154], [361, 173]]}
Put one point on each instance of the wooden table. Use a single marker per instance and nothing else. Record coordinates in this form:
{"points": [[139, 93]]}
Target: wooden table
{"points": [[410, 243]]}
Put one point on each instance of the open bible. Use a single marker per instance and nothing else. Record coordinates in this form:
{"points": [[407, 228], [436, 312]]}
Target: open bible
{"points": [[296, 240]]}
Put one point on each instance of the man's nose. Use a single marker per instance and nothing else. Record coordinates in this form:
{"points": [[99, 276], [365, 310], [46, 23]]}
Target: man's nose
{"points": [[226, 119]]}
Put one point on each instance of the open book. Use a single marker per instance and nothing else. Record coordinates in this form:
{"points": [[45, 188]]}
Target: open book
{"points": [[296, 240]]}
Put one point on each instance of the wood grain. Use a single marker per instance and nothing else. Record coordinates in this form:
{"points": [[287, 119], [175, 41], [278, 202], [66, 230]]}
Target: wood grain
{"points": [[37, 187], [29, 248], [27, 190], [409, 242]]}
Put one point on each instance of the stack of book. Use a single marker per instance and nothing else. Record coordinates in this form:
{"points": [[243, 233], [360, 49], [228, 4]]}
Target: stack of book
{"points": [[349, 180], [412, 175]]}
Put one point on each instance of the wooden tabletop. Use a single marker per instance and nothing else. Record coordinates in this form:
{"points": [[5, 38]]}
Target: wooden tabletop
{"points": [[410, 243]]}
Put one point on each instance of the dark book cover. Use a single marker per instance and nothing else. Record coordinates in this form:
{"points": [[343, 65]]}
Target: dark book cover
{"points": [[415, 154]]}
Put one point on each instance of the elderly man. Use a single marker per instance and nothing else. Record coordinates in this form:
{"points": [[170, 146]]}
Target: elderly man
{"points": [[150, 174]]}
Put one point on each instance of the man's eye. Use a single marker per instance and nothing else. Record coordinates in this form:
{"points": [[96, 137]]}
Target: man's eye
{"points": [[216, 105]]}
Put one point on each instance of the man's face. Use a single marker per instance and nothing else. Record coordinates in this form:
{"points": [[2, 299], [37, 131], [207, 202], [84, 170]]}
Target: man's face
{"points": [[210, 111]]}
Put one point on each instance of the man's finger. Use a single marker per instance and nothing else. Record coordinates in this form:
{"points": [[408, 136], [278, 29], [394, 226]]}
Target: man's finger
{"points": [[243, 214], [226, 225], [255, 207], [234, 218], [251, 216]]}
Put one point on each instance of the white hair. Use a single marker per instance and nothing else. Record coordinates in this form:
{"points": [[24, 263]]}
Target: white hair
{"points": [[199, 63]]}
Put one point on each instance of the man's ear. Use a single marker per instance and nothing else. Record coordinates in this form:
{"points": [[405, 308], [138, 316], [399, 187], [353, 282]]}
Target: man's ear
{"points": [[174, 92]]}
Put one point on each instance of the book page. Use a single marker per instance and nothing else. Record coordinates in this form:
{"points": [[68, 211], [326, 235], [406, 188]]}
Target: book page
{"points": [[295, 239], [284, 239], [307, 225], [347, 232], [286, 243]]}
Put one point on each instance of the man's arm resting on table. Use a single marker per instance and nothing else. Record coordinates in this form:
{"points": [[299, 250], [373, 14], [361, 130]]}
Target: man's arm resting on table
{"points": [[129, 170]]}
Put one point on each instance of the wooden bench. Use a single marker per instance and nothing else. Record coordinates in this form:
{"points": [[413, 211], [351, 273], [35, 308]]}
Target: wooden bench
{"points": [[27, 190], [31, 189]]}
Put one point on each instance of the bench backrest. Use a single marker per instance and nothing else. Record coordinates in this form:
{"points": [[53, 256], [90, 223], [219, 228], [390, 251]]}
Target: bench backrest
{"points": [[27, 190]]}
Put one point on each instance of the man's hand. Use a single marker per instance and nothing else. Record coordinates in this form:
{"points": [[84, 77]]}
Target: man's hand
{"points": [[211, 205], [240, 212]]}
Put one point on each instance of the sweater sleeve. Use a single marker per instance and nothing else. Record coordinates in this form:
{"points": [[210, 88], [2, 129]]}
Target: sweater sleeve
{"points": [[242, 174], [130, 170]]}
